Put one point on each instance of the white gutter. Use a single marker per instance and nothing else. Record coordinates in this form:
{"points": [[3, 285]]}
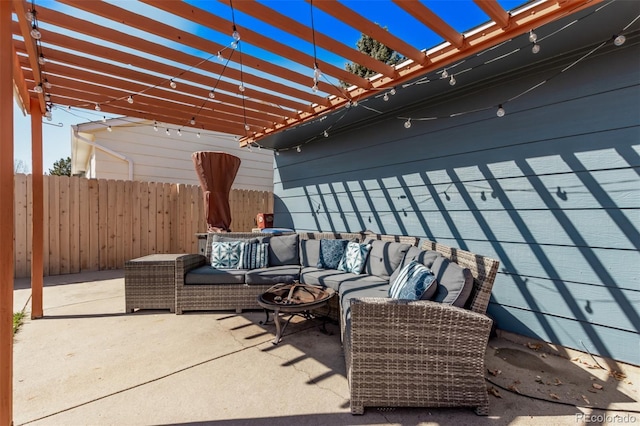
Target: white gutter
{"points": [[109, 151]]}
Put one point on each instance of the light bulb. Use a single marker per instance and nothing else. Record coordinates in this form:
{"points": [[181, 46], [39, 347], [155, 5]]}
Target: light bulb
{"points": [[173, 84], [220, 57], [500, 112], [212, 94], [299, 148], [407, 123], [325, 134], [348, 104], [41, 59], [452, 81], [104, 119], [241, 87], [535, 48], [47, 98], [35, 33], [38, 88], [155, 126], [193, 121], [198, 135], [314, 87], [179, 133], [385, 97], [49, 118], [109, 128], [48, 114], [247, 127], [29, 15], [619, 40], [533, 37], [354, 103], [167, 132], [97, 107], [235, 34], [249, 147], [277, 152], [47, 84], [130, 99], [234, 44], [316, 73], [392, 91], [445, 74]]}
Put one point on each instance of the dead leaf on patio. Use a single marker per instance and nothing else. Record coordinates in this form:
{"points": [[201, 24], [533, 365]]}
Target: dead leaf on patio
{"points": [[592, 390], [557, 382], [534, 346], [554, 396], [618, 375], [586, 399], [513, 388], [494, 372], [493, 391], [543, 355], [596, 386]]}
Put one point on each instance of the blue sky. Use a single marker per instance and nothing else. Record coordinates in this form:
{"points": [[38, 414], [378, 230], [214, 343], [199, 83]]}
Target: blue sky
{"points": [[461, 14]]}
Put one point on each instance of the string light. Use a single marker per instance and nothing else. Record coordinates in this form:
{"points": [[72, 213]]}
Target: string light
{"points": [[167, 132], [385, 97], [155, 126], [535, 48], [619, 40], [179, 132], [47, 97], [500, 112], [198, 135], [97, 107], [277, 152], [452, 81], [325, 134], [38, 88], [35, 33], [445, 74], [193, 121], [41, 59], [407, 123], [235, 34], [47, 84], [172, 84], [533, 37], [299, 148], [48, 114], [241, 87], [247, 127], [130, 99], [392, 91], [104, 119], [220, 57], [29, 15], [212, 94], [109, 129]]}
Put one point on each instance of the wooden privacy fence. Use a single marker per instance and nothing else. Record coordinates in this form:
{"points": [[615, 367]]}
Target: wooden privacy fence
{"points": [[97, 224]]}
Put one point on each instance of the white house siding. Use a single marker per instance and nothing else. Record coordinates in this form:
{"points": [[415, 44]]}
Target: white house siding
{"points": [[157, 157]]}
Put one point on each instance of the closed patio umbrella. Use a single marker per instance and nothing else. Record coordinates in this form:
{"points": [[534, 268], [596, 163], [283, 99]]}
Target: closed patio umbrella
{"points": [[216, 172]]}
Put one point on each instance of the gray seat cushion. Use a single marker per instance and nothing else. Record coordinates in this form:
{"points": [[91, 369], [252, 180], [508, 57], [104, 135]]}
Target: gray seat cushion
{"points": [[426, 257], [384, 258], [207, 275], [283, 250], [285, 274], [454, 282], [309, 252], [356, 290], [334, 279]]}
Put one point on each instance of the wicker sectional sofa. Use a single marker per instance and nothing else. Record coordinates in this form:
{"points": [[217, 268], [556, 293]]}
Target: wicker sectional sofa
{"points": [[430, 353]]}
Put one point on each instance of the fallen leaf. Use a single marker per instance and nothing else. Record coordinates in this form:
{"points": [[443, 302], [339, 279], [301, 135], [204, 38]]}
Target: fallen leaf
{"points": [[543, 355], [575, 359], [593, 367], [493, 391], [592, 378], [592, 390], [596, 386], [494, 372], [618, 375], [554, 396], [539, 379], [557, 382], [513, 388], [534, 346], [586, 399]]}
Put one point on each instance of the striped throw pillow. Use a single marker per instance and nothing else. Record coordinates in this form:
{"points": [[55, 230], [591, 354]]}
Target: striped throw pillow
{"points": [[254, 256], [414, 282]]}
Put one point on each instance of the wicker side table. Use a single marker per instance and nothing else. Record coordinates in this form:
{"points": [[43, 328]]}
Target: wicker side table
{"points": [[150, 282]]}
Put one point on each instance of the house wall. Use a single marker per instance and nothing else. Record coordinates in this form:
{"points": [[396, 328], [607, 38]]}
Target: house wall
{"points": [[160, 158], [551, 190]]}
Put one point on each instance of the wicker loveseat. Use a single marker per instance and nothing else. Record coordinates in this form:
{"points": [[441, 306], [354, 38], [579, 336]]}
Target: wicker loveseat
{"points": [[398, 353]]}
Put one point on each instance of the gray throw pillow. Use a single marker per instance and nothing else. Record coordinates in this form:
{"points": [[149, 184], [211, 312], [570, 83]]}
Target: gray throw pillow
{"points": [[455, 282], [309, 252], [426, 257], [384, 257], [283, 250]]}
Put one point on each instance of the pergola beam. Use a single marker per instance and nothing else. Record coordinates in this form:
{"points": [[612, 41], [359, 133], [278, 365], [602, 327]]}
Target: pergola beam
{"points": [[494, 11], [432, 21]]}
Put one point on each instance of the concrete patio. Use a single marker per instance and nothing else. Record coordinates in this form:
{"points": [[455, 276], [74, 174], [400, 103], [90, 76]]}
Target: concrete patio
{"points": [[87, 362]]}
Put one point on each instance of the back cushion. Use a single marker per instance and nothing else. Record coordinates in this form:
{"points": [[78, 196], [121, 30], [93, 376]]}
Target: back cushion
{"points": [[455, 282], [283, 250], [384, 258], [309, 252]]}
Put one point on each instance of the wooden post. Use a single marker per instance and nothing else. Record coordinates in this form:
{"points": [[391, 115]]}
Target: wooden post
{"points": [[6, 215], [37, 216]]}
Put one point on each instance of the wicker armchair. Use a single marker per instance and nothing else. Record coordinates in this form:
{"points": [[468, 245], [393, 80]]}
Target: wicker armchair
{"points": [[421, 353]]}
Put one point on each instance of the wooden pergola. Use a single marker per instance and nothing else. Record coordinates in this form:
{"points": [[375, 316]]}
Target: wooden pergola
{"points": [[71, 62]]}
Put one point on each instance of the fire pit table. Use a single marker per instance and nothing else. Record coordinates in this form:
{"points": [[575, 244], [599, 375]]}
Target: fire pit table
{"points": [[294, 299]]}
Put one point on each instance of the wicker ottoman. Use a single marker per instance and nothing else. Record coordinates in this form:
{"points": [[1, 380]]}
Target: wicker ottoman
{"points": [[150, 282]]}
